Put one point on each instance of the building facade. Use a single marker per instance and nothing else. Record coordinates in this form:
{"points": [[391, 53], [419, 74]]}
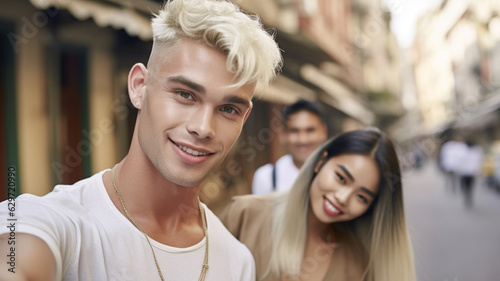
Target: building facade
{"points": [[66, 113], [456, 55]]}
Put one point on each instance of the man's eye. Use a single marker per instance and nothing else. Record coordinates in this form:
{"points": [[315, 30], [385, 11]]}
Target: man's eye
{"points": [[185, 95], [228, 109]]}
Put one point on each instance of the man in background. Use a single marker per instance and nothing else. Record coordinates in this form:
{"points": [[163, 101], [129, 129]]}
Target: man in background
{"points": [[304, 130]]}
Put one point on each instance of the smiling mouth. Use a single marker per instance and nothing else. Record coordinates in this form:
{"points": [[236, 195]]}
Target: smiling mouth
{"points": [[332, 208], [191, 151]]}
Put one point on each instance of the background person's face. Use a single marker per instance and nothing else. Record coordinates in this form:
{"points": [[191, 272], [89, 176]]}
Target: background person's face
{"points": [[304, 132], [189, 118], [344, 188]]}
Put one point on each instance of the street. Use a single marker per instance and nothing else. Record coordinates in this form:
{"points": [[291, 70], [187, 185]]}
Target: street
{"points": [[452, 242]]}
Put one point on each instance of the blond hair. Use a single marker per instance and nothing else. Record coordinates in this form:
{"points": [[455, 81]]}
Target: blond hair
{"points": [[252, 53], [380, 234]]}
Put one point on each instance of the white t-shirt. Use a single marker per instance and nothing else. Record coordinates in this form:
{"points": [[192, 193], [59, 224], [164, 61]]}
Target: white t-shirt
{"points": [[92, 240], [471, 162], [286, 173], [452, 155]]}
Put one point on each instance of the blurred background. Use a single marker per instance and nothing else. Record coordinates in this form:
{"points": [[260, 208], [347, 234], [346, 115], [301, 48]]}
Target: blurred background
{"points": [[425, 72]]}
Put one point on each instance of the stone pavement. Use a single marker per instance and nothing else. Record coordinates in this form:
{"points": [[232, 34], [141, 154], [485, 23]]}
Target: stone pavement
{"points": [[452, 242]]}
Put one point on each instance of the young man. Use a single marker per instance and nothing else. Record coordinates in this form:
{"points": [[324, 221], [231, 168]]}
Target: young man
{"points": [[142, 220], [304, 130]]}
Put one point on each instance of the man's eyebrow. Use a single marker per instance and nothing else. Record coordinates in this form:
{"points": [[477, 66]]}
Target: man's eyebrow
{"points": [[193, 85], [200, 89], [238, 100], [346, 171]]}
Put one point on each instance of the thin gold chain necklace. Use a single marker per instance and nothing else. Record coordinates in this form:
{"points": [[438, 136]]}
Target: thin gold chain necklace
{"points": [[204, 265]]}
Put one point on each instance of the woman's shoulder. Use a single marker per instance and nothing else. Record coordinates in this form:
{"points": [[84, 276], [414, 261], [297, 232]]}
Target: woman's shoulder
{"points": [[252, 204], [252, 199], [247, 211]]}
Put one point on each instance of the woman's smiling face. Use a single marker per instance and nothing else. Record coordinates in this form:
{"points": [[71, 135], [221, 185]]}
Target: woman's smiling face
{"points": [[344, 188]]}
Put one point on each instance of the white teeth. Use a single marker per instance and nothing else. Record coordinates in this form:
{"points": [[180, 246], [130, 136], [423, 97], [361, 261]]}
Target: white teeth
{"points": [[192, 152], [331, 208]]}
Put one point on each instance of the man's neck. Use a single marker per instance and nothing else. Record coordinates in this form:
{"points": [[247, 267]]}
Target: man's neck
{"points": [[297, 164], [167, 212]]}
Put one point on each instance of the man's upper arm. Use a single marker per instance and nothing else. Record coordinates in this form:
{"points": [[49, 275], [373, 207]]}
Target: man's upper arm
{"points": [[28, 259]]}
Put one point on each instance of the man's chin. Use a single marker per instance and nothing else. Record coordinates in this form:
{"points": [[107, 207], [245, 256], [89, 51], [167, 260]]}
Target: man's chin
{"points": [[298, 161], [190, 183], [302, 157], [182, 181]]}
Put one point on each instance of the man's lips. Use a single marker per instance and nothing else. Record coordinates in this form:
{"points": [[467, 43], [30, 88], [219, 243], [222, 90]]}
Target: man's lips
{"points": [[192, 150]]}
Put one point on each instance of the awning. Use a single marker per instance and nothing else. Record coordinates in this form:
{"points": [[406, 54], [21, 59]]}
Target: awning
{"points": [[339, 96], [285, 91], [478, 114], [475, 116], [134, 16], [105, 13]]}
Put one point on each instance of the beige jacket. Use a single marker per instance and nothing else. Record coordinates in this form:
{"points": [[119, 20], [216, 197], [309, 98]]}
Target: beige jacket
{"points": [[248, 218]]}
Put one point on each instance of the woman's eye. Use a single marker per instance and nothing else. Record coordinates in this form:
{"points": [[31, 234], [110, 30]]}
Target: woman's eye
{"points": [[363, 198], [185, 95], [228, 109], [341, 178]]}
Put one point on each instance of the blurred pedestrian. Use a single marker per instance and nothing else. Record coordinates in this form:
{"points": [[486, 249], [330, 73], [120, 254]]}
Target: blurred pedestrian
{"points": [[468, 169], [343, 219], [304, 130], [417, 156], [451, 155]]}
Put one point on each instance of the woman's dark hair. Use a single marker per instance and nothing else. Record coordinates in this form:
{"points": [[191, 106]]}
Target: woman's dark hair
{"points": [[371, 142]]}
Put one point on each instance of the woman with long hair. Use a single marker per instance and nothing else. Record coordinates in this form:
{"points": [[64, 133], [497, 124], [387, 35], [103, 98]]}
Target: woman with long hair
{"points": [[343, 219]]}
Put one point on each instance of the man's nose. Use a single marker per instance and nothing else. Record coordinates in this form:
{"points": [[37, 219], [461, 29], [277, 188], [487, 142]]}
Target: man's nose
{"points": [[202, 123], [303, 137]]}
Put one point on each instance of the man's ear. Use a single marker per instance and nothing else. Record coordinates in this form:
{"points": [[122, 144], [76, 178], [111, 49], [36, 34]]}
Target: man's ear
{"points": [[320, 162], [283, 135], [248, 112], [137, 81], [325, 131]]}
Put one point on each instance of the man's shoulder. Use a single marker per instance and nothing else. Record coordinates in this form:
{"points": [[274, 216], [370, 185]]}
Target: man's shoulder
{"points": [[221, 235], [285, 161], [231, 253], [267, 168], [64, 197], [94, 180]]}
